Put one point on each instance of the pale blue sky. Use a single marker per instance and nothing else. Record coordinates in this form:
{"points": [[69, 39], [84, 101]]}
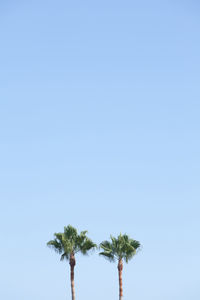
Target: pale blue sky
{"points": [[99, 123]]}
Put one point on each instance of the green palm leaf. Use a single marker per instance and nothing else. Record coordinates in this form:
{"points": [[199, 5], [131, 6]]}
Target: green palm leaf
{"points": [[122, 247], [70, 242]]}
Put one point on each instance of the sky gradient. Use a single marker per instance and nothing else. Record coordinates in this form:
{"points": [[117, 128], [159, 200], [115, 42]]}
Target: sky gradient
{"points": [[99, 128]]}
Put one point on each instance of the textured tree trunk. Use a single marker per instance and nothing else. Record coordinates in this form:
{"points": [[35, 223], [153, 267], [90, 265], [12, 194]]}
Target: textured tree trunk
{"points": [[72, 263], [120, 268]]}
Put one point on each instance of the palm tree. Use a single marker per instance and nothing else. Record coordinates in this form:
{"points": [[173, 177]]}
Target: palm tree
{"points": [[120, 248], [68, 244]]}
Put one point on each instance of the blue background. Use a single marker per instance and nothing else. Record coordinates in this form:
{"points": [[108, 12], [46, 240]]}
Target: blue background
{"points": [[99, 125]]}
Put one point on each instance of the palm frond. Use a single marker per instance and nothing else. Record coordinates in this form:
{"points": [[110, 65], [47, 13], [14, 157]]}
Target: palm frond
{"points": [[121, 247], [70, 233], [64, 256], [108, 248], [106, 245], [86, 246], [108, 256], [70, 242], [59, 236], [56, 245]]}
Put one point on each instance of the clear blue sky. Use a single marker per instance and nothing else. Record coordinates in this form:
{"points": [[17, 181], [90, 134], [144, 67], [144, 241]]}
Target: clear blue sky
{"points": [[99, 122]]}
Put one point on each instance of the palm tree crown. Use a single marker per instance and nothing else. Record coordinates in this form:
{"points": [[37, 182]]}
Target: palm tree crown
{"points": [[119, 248], [70, 242]]}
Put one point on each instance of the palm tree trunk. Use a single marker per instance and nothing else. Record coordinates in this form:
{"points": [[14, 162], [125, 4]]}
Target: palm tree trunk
{"points": [[120, 268], [72, 263]]}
